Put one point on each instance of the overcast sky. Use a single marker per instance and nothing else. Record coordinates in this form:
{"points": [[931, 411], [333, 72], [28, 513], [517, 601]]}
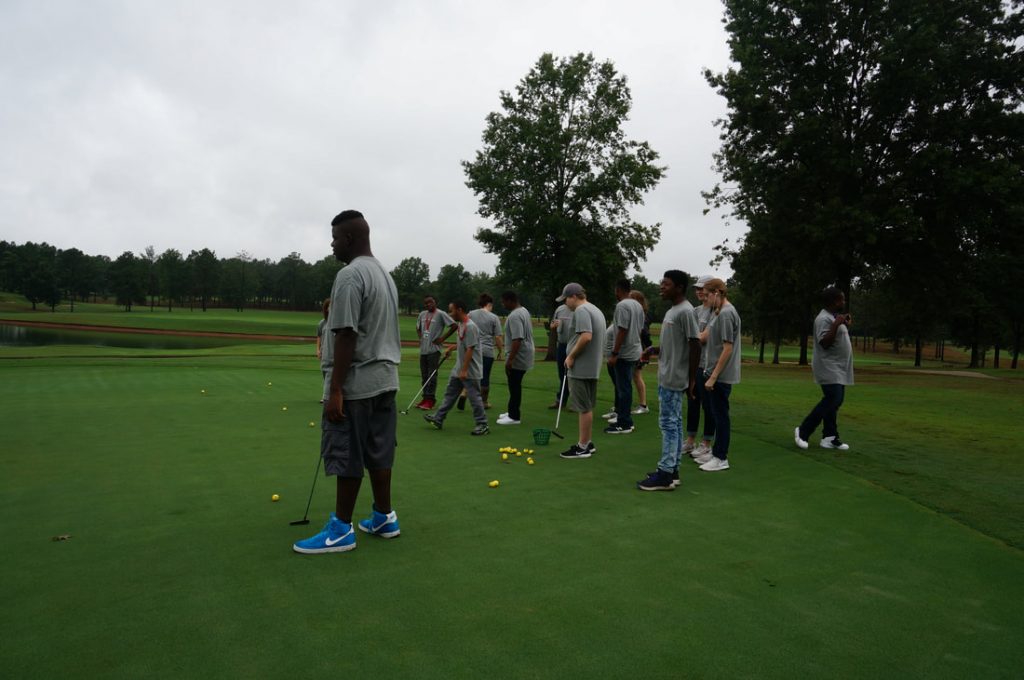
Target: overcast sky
{"points": [[249, 125]]}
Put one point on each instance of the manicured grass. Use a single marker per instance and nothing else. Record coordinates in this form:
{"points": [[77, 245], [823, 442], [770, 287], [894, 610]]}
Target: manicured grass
{"points": [[788, 565]]}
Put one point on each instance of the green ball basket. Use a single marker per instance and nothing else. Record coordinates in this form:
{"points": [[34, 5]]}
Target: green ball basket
{"points": [[541, 436]]}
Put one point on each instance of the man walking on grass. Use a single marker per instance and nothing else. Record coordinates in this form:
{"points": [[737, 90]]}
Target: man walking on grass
{"points": [[519, 355], [721, 371], [832, 365], [466, 373], [678, 357], [359, 418], [626, 351], [431, 325], [583, 365]]}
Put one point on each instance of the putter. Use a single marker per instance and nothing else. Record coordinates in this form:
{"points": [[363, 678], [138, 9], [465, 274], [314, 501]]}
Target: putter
{"points": [[406, 411], [561, 397], [305, 516]]}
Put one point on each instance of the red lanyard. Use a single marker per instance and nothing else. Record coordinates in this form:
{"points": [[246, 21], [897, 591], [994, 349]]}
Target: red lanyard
{"points": [[462, 330], [428, 319]]}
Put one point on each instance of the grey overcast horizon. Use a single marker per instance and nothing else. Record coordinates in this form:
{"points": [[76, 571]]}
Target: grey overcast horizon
{"points": [[246, 126]]}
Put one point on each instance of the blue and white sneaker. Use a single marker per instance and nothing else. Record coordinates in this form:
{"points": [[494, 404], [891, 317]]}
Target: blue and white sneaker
{"points": [[336, 536], [379, 524]]}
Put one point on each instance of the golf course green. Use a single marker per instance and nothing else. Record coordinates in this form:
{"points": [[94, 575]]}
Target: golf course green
{"points": [[903, 557]]}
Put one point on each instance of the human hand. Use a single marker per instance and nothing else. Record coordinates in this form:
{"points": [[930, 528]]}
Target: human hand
{"points": [[334, 409], [569, 361]]}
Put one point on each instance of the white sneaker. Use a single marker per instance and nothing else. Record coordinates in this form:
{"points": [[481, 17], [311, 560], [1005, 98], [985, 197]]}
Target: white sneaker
{"points": [[688, 447], [505, 420], [610, 415], [800, 442], [832, 443], [715, 464], [700, 450], [640, 410], [503, 415], [704, 457]]}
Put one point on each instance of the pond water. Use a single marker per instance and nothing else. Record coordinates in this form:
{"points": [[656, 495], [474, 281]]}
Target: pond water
{"points": [[25, 336]]}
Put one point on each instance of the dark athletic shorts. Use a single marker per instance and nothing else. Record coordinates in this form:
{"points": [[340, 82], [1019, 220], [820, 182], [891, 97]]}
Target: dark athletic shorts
{"points": [[363, 440]]}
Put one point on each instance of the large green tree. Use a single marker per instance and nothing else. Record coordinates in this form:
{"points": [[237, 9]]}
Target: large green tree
{"points": [[557, 176], [411, 276], [870, 137]]}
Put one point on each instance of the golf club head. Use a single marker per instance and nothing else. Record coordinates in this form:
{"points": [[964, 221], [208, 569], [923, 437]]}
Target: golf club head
{"points": [[298, 522], [404, 413], [557, 435]]}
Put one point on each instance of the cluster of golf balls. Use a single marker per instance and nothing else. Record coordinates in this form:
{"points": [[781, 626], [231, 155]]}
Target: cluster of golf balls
{"points": [[507, 451]]}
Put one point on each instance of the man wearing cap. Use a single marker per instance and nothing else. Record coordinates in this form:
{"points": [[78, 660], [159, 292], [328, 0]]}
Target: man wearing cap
{"points": [[832, 365], [626, 351], [721, 371], [700, 402], [583, 364]]}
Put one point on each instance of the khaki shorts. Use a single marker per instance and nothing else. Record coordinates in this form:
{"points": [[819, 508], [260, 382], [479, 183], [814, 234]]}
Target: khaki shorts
{"points": [[582, 394]]}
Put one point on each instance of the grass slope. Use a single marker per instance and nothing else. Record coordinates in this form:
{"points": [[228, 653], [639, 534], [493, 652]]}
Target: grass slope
{"points": [[788, 565]]}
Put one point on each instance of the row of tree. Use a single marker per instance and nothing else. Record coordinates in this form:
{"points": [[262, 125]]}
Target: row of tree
{"points": [[878, 146]]}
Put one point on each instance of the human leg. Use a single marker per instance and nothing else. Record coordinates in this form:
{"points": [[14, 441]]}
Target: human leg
{"points": [[515, 393], [670, 421], [451, 393], [431, 361], [623, 371], [476, 402], [723, 423], [561, 351]]}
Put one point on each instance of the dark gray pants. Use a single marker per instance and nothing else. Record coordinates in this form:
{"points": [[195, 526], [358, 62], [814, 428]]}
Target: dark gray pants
{"points": [[428, 377]]}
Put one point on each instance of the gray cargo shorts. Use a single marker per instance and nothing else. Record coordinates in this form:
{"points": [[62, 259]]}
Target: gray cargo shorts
{"points": [[363, 440], [582, 394]]}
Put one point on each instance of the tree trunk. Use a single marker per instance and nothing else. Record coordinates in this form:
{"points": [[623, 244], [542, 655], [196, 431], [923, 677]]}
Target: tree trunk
{"points": [[873, 345], [917, 352], [760, 354], [778, 342], [1016, 345], [995, 358], [803, 349]]}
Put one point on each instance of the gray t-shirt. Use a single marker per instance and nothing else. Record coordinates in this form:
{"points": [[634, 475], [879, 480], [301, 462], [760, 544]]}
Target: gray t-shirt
{"points": [[725, 328], [364, 299], [587, 319], [326, 345], [629, 314], [679, 326], [432, 327], [609, 340], [490, 328], [703, 317], [469, 336], [564, 316], [518, 327], [832, 366]]}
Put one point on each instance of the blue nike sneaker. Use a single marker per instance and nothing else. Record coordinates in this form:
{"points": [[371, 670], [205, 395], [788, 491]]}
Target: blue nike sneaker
{"points": [[380, 524], [336, 536]]}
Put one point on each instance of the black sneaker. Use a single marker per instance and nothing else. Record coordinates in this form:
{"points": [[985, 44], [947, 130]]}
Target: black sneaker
{"points": [[433, 420], [480, 430], [461, 404], [659, 480], [618, 429], [575, 451], [675, 477]]}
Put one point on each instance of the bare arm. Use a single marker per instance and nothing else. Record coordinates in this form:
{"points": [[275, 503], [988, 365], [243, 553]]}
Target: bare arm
{"points": [[513, 352], [582, 340], [344, 350]]}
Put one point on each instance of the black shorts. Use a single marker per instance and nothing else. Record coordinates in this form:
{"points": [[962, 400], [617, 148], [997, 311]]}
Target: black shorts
{"points": [[363, 440]]}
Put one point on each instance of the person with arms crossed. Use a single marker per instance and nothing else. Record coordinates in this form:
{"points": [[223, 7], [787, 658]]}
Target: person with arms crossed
{"points": [[832, 365], [583, 365], [360, 416], [678, 357], [490, 340], [626, 351], [721, 371], [466, 373], [519, 355]]}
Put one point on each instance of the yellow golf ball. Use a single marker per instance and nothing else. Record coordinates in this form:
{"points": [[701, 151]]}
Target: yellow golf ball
{"points": [[312, 424], [493, 484], [284, 408], [275, 498], [529, 461], [269, 384], [202, 391], [519, 453], [504, 456]]}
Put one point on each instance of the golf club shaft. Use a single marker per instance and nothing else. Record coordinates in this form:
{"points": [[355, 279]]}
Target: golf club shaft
{"points": [[316, 473], [561, 398], [425, 383]]}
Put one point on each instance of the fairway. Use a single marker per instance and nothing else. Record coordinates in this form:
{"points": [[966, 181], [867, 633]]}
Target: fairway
{"points": [[900, 558]]}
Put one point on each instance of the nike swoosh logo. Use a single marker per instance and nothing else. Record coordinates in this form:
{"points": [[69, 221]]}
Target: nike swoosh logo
{"points": [[329, 542]]}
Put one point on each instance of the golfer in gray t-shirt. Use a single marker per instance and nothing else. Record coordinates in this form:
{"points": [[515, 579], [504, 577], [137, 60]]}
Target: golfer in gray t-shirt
{"points": [[433, 326], [466, 372], [359, 420], [518, 355], [832, 366], [583, 362], [721, 371], [491, 342], [626, 351]]}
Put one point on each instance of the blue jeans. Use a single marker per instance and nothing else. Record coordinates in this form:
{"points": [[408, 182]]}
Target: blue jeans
{"points": [[622, 373], [719, 400], [561, 352], [826, 411], [670, 420]]}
